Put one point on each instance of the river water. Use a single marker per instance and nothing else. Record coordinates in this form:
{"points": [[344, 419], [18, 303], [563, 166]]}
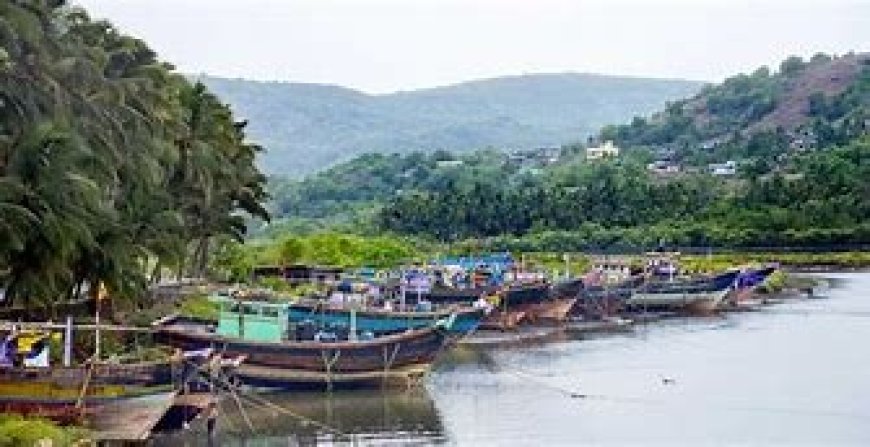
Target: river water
{"points": [[793, 373]]}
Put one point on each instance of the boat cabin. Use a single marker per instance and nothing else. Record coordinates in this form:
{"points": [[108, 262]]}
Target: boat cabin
{"points": [[254, 321]]}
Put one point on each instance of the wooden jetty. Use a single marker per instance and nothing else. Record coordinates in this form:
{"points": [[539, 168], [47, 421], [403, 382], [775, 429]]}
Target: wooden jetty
{"points": [[134, 420], [131, 419]]}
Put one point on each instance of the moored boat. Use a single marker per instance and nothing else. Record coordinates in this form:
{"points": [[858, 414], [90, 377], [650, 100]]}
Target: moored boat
{"points": [[276, 358], [696, 295]]}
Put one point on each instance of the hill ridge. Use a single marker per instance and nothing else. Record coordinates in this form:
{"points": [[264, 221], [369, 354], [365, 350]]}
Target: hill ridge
{"points": [[307, 127]]}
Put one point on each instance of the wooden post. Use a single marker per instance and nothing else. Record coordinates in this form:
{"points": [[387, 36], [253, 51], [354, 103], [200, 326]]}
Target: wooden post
{"points": [[67, 342]]}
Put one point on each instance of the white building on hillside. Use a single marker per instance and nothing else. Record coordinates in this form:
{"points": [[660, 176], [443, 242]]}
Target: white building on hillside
{"points": [[604, 151]]}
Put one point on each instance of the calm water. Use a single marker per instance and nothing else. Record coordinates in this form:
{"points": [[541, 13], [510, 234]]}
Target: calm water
{"points": [[793, 373]]}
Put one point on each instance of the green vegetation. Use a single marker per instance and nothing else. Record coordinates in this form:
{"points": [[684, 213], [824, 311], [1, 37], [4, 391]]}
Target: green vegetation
{"points": [[111, 164], [308, 127], [782, 197], [199, 306], [19, 431], [599, 205], [328, 249], [751, 116]]}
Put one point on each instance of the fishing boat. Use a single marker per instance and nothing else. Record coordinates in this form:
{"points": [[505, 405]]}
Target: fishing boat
{"points": [[90, 392], [280, 355], [696, 295], [595, 299], [80, 393], [746, 283], [379, 321]]}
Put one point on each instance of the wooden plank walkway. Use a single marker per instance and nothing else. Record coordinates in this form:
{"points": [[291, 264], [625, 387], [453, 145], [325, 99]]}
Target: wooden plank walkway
{"points": [[131, 419]]}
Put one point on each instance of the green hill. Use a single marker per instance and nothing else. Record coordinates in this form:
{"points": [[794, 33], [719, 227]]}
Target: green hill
{"points": [[805, 104], [783, 193], [307, 127]]}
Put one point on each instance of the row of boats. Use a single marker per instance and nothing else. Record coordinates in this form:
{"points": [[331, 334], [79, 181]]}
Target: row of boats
{"points": [[371, 333]]}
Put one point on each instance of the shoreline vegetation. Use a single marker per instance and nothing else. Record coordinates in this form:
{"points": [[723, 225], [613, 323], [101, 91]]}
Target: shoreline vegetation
{"points": [[235, 262], [17, 430]]}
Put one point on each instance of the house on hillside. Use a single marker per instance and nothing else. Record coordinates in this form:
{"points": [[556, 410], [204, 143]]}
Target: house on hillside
{"points": [[449, 163], [606, 150], [663, 167], [803, 139], [535, 158], [728, 168]]}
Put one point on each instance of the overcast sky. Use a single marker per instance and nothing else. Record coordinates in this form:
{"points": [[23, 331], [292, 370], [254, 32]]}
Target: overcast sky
{"points": [[388, 45]]}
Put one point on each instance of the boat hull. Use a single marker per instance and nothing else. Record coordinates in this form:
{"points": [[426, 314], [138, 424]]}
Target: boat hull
{"points": [[694, 302], [552, 310], [503, 320], [56, 393], [309, 364]]}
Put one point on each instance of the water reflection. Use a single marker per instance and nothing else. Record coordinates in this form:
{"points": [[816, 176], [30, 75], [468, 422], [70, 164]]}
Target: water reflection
{"points": [[377, 416]]}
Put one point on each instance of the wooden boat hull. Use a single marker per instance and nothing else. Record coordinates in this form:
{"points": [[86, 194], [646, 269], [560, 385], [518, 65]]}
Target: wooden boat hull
{"points": [[694, 302], [310, 364], [56, 393], [384, 322], [694, 295], [503, 319], [553, 310]]}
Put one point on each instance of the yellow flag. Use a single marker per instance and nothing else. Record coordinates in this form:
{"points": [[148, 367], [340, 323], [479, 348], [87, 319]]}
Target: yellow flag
{"points": [[102, 292]]}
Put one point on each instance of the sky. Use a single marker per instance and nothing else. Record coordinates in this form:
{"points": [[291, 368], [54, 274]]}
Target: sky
{"points": [[381, 46]]}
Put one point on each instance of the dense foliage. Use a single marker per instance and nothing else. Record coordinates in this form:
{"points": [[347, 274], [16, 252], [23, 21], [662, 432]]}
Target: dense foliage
{"points": [[583, 205], [347, 195], [236, 261], [111, 164]]}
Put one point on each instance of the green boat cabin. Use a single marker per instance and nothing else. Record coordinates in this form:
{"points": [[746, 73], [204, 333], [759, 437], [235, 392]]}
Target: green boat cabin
{"points": [[259, 321]]}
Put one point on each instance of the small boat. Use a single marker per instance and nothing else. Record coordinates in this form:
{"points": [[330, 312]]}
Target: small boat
{"points": [[516, 303], [278, 355], [79, 393], [381, 321], [596, 299], [696, 295], [746, 283], [89, 392]]}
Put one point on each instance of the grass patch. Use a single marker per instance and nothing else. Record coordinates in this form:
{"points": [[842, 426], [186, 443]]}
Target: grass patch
{"points": [[16, 430]]}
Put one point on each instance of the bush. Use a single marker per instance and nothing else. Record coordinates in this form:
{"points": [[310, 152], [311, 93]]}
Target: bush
{"points": [[16, 430]]}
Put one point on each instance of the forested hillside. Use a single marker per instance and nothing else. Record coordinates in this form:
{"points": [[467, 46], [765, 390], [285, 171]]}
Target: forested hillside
{"points": [[112, 165], [802, 158], [807, 103], [804, 182], [309, 127]]}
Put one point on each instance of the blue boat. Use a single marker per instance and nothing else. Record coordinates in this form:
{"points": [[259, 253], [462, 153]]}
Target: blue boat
{"points": [[380, 321]]}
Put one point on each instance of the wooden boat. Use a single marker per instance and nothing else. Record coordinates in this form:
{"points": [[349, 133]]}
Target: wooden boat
{"points": [[275, 359], [554, 310], [381, 321], [516, 303], [697, 295], [80, 393]]}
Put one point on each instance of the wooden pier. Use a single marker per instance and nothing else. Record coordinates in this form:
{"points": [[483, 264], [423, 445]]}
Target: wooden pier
{"points": [[134, 420]]}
